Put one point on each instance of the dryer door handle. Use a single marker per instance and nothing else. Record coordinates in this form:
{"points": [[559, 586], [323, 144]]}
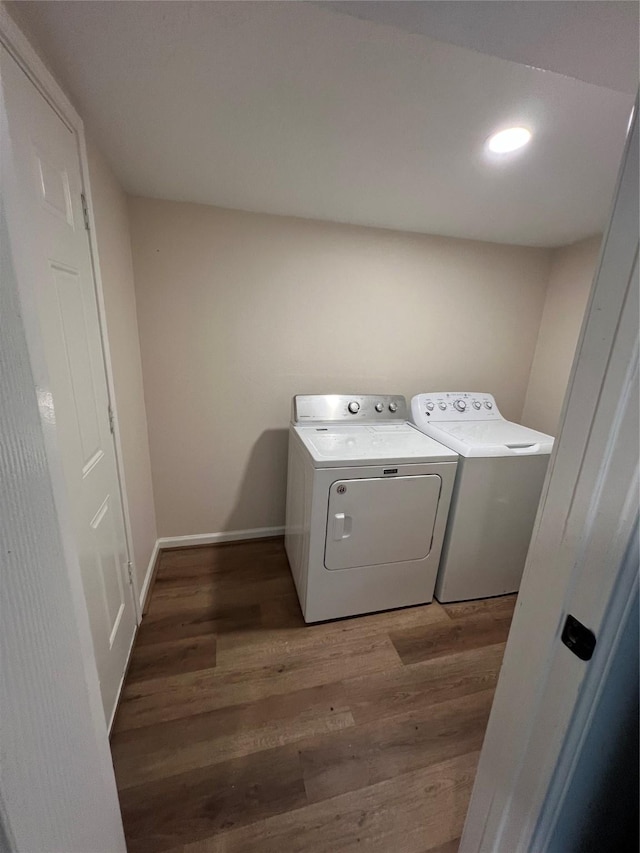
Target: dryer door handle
{"points": [[342, 526]]}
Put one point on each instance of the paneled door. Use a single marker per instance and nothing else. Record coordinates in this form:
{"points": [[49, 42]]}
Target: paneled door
{"points": [[53, 262]]}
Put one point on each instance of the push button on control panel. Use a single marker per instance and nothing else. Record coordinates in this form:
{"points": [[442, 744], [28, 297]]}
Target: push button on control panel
{"points": [[460, 406]]}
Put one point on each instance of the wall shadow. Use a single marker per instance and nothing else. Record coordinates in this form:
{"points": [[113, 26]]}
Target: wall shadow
{"points": [[232, 587], [254, 575], [264, 481]]}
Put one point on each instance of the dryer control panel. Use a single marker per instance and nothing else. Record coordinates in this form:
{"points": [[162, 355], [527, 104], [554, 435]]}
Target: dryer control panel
{"points": [[356, 408], [454, 406]]}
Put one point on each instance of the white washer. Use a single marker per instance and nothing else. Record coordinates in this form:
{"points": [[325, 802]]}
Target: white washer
{"points": [[367, 502], [498, 483]]}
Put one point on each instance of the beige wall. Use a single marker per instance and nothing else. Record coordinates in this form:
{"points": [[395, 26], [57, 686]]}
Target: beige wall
{"points": [[572, 271], [114, 255], [237, 312]]}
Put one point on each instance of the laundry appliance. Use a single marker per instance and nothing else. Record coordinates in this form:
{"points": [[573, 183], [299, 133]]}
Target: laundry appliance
{"points": [[367, 501], [499, 479]]}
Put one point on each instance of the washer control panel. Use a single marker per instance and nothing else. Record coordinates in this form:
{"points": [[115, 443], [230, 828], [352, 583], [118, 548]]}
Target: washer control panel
{"points": [[454, 406], [349, 407]]}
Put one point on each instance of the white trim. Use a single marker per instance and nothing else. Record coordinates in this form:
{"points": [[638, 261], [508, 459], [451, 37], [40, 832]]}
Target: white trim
{"points": [[214, 538], [588, 510], [615, 623], [146, 584], [193, 540], [103, 825], [21, 50], [35, 69], [106, 351]]}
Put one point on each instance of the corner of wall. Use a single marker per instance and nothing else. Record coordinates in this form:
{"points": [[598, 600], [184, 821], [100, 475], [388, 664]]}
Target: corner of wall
{"points": [[571, 274]]}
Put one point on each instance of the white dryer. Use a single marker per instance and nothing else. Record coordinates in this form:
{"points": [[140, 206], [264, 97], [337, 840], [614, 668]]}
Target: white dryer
{"points": [[367, 502], [498, 484]]}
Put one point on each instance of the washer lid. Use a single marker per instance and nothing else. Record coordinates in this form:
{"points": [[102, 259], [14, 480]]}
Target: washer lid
{"points": [[382, 444], [491, 438]]}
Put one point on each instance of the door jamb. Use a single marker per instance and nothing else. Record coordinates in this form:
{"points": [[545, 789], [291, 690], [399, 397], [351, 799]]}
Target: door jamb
{"points": [[21, 50], [492, 805]]}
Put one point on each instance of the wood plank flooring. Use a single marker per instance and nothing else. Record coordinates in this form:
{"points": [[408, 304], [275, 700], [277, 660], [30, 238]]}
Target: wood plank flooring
{"points": [[243, 730]]}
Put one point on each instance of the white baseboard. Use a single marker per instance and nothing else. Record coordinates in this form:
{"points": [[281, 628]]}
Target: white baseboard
{"points": [[201, 539], [214, 538], [144, 592]]}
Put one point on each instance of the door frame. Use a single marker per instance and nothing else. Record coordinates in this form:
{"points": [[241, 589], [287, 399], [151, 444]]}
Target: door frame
{"points": [[12, 38], [490, 803], [529, 757]]}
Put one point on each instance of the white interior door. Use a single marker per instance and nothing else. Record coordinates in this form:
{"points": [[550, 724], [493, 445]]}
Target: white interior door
{"points": [[53, 259], [578, 566]]}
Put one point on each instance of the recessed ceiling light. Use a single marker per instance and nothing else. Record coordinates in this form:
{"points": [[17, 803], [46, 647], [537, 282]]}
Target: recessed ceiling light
{"points": [[508, 140]]}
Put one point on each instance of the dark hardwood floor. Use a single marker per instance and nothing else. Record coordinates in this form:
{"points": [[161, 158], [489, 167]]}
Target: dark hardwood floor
{"points": [[243, 730]]}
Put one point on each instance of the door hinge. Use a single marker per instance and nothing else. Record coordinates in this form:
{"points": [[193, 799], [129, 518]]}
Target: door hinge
{"points": [[130, 572], [111, 421], [85, 211]]}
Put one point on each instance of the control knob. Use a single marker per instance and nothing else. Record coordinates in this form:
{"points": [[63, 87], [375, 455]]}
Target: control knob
{"points": [[379, 407], [393, 407], [430, 406], [460, 405], [488, 404], [477, 404], [354, 407], [442, 405]]}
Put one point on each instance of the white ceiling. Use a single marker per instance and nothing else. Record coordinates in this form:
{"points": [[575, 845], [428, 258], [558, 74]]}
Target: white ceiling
{"points": [[298, 109], [591, 40]]}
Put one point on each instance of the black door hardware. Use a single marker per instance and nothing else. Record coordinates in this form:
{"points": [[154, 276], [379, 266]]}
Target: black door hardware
{"points": [[579, 639]]}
